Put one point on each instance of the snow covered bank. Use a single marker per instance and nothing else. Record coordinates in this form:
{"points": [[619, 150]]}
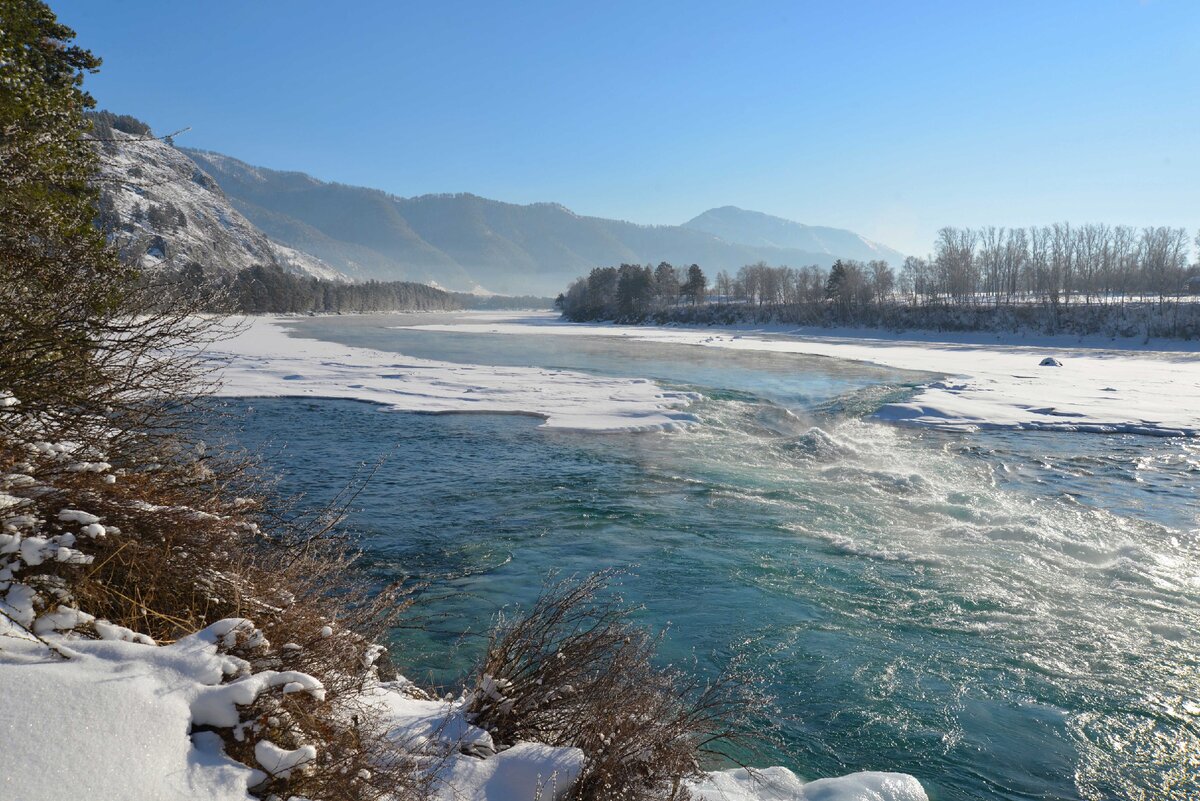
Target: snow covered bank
{"points": [[989, 383], [263, 361], [121, 720], [113, 721]]}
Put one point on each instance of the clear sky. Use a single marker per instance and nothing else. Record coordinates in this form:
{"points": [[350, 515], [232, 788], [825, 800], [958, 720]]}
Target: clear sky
{"points": [[890, 118]]}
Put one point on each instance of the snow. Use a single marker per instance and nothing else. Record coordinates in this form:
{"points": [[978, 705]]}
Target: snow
{"points": [[280, 761], [780, 784], [76, 516], [152, 173], [441, 731], [525, 771], [112, 718], [263, 361], [112, 721], [989, 381]]}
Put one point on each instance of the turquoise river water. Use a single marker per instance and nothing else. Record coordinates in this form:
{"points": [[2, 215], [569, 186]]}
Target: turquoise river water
{"points": [[1004, 615]]}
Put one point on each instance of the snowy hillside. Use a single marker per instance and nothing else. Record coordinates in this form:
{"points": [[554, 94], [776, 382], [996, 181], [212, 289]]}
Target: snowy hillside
{"points": [[167, 211]]}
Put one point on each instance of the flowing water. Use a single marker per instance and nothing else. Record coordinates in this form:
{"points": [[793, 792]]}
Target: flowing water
{"points": [[1003, 615]]}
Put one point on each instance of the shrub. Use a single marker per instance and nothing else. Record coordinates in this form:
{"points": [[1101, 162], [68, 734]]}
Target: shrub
{"points": [[574, 670]]}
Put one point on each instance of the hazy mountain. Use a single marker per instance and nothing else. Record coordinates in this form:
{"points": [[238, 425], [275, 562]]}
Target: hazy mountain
{"points": [[763, 230], [463, 241], [163, 209]]}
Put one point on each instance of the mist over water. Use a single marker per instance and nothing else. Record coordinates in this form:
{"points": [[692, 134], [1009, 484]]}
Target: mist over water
{"points": [[1006, 615]]}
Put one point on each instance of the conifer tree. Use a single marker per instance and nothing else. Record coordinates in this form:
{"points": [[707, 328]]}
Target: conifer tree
{"points": [[83, 342]]}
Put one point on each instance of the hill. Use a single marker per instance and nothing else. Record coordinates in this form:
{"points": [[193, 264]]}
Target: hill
{"points": [[764, 230], [162, 209], [465, 242]]}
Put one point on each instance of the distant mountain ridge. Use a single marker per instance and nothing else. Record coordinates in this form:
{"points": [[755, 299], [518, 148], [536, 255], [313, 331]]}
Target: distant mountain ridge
{"points": [[466, 242], [764, 230]]}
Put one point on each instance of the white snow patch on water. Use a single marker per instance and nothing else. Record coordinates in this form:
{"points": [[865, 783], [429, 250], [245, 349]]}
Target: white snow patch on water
{"points": [[991, 381], [263, 361]]}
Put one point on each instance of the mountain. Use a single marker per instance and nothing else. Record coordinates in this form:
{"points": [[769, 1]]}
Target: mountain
{"points": [[163, 209], [466, 242], [763, 230]]}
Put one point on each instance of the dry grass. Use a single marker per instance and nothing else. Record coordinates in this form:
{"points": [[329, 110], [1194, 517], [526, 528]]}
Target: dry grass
{"points": [[188, 544], [574, 670]]}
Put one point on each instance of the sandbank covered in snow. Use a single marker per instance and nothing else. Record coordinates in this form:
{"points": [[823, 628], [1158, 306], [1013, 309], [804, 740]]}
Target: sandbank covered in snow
{"points": [[988, 382], [263, 361]]}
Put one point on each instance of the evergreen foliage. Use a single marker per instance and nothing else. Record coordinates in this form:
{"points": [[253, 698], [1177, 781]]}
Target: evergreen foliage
{"points": [[60, 285], [268, 289]]}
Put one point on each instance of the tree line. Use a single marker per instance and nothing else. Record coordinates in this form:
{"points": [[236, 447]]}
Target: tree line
{"points": [[1052, 264], [268, 289], [632, 291], [1057, 277]]}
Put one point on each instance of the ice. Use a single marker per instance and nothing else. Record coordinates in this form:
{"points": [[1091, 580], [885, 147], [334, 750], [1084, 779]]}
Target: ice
{"points": [[1102, 385], [262, 361]]}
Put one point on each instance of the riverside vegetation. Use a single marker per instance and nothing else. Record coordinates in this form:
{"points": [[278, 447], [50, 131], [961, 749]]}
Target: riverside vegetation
{"points": [[1089, 279], [120, 522]]}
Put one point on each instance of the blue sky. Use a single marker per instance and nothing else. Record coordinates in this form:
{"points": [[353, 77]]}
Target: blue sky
{"points": [[890, 118]]}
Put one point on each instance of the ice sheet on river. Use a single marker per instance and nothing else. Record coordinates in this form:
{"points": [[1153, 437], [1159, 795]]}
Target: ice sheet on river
{"points": [[263, 361], [991, 380]]}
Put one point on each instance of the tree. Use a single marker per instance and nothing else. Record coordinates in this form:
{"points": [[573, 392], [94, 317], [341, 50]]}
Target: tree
{"points": [[666, 284], [955, 262], [635, 291], [81, 337], [724, 286], [56, 272], [883, 280], [696, 284], [835, 283]]}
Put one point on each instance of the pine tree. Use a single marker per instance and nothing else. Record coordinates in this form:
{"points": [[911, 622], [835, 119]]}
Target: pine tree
{"points": [[56, 272], [835, 284], [82, 340], [696, 284]]}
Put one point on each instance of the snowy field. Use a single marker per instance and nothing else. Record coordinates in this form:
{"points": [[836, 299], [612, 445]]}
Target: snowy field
{"points": [[990, 381], [263, 361]]}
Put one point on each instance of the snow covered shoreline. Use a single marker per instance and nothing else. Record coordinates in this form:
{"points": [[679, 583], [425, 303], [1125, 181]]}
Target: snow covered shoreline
{"points": [[1101, 386], [140, 718], [263, 361]]}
